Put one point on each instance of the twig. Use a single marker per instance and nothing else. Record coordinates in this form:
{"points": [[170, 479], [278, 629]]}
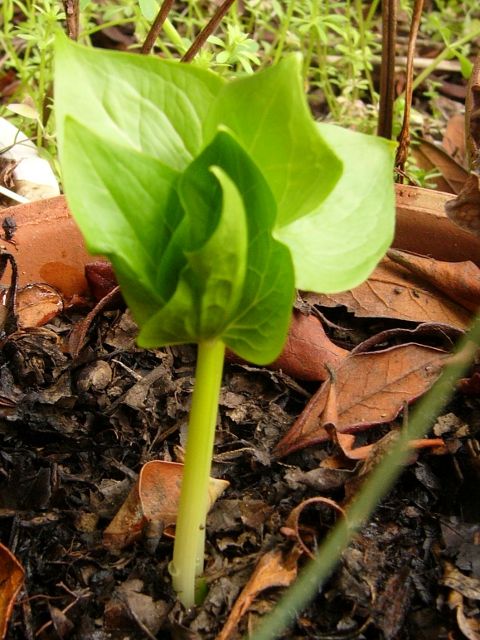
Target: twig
{"points": [[404, 136], [156, 27], [13, 196], [387, 70], [72, 14], [207, 31], [452, 66]]}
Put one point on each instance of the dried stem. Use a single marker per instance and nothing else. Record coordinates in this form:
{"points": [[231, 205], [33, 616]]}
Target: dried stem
{"points": [[404, 136], [72, 14], [207, 31], [156, 27], [387, 69]]}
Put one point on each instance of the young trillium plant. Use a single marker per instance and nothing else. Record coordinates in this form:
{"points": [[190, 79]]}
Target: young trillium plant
{"points": [[214, 200]]}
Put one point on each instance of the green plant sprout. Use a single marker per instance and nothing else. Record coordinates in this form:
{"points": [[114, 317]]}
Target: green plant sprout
{"points": [[214, 200]]}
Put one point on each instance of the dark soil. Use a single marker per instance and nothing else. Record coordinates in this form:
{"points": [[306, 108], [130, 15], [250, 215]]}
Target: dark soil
{"points": [[75, 433]]}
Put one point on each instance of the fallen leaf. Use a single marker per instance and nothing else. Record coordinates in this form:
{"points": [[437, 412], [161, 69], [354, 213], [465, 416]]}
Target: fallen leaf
{"points": [[468, 586], [152, 504], [132, 611], [459, 280], [37, 304], [371, 388], [292, 525], [274, 569], [464, 210], [470, 627], [422, 226], [100, 277], [430, 156], [11, 581], [394, 292], [308, 352]]}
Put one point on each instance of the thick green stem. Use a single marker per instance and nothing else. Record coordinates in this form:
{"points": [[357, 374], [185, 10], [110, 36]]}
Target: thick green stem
{"points": [[188, 550]]}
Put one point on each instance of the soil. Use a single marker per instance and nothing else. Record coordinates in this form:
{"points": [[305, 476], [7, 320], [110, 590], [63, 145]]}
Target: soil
{"points": [[74, 433]]}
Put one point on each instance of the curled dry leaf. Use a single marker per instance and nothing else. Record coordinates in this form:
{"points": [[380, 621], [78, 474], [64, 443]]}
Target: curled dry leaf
{"points": [[101, 278], [430, 156], [392, 291], [462, 586], [422, 226], [37, 304], [308, 350], [464, 210], [468, 586], [292, 525], [274, 569], [375, 451], [11, 580], [469, 626], [371, 388], [152, 504], [459, 280]]}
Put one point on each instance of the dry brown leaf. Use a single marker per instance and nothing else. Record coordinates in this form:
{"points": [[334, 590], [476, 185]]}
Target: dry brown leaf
{"points": [[308, 350], [37, 304], [307, 353], [273, 570], [152, 504], [292, 525], [430, 156], [371, 389], [422, 226], [464, 210], [394, 292], [459, 280], [101, 278], [11, 581], [470, 627], [468, 586]]}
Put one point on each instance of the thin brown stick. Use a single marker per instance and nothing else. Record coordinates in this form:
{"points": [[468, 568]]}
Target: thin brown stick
{"points": [[72, 15], [207, 31], [404, 136], [156, 27], [387, 69]]}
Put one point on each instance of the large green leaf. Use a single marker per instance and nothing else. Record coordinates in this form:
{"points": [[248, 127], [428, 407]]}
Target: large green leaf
{"points": [[142, 102], [270, 117], [336, 247], [250, 309], [128, 213], [210, 284]]}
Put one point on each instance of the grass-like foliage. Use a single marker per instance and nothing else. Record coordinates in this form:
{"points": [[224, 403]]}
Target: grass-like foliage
{"points": [[213, 200]]}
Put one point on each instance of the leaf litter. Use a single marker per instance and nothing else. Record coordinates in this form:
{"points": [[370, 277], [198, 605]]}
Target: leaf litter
{"points": [[114, 408]]}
